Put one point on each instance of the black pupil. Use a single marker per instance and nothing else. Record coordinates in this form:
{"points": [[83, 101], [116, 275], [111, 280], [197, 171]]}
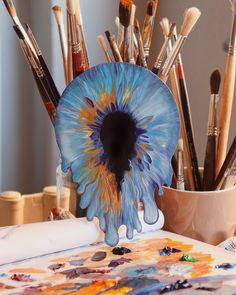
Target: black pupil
{"points": [[118, 138]]}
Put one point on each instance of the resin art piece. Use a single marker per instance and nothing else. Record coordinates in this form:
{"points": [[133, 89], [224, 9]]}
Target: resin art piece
{"points": [[117, 127]]}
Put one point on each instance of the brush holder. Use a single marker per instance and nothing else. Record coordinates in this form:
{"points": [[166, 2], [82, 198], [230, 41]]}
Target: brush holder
{"points": [[206, 216]]}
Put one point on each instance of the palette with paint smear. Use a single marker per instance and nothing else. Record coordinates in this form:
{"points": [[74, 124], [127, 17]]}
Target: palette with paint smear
{"points": [[155, 262]]}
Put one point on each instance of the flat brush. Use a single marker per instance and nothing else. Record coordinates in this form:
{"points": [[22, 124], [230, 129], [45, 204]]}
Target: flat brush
{"points": [[114, 47], [62, 36], [227, 165], [176, 92], [125, 8], [12, 12], [102, 42], [51, 85], [190, 18], [148, 25], [79, 24], [77, 54], [38, 75], [141, 56], [210, 155], [163, 51], [228, 95]]}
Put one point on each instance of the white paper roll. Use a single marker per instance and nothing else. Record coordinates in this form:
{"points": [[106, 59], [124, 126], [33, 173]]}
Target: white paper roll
{"points": [[31, 240]]}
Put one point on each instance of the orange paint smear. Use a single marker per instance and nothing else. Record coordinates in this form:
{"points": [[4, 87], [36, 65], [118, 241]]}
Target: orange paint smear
{"points": [[95, 287], [121, 291], [60, 260], [58, 289], [28, 270]]}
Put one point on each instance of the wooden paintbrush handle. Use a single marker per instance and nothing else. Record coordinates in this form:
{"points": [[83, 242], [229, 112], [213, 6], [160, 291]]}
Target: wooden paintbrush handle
{"points": [[209, 163], [176, 93], [77, 58], [226, 109]]}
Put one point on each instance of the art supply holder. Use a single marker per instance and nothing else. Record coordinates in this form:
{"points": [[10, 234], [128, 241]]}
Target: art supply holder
{"points": [[206, 216]]}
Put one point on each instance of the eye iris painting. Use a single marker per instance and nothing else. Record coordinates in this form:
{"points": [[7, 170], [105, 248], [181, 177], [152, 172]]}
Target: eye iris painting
{"points": [[117, 127]]}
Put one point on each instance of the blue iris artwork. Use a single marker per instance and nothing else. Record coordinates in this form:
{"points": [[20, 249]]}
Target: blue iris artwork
{"points": [[117, 127]]}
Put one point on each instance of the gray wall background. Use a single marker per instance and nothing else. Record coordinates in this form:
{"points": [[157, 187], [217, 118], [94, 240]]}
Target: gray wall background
{"points": [[28, 151]]}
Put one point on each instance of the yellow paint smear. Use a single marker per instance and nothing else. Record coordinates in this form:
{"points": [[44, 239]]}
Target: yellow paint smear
{"points": [[60, 260]]}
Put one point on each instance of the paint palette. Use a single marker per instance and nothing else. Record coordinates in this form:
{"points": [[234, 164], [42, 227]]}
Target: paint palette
{"points": [[117, 128], [153, 263]]}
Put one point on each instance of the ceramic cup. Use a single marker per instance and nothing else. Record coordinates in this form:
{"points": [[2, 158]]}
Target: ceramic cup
{"points": [[206, 216]]}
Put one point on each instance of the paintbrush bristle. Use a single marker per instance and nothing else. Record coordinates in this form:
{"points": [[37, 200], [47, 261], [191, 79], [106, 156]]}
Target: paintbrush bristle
{"points": [[18, 32], [215, 82], [150, 8], [71, 6], [10, 7], [233, 4], [171, 31], [190, 18], [58, 14], [125, 8], [165, 25]]}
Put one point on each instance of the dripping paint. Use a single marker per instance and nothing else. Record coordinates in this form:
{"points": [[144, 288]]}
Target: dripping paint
{"points": [[117, 128]]}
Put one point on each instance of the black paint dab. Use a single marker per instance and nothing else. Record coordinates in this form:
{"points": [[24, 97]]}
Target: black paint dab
{"points": [[120, 250]]}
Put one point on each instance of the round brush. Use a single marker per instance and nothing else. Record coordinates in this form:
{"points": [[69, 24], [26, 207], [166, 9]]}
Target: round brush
{"points": [[62, 35], [191, 17], [210, 155], [228, 95], [125, 9]]}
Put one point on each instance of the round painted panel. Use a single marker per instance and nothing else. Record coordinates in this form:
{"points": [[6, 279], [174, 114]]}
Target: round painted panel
{"points": [[117, 128]]}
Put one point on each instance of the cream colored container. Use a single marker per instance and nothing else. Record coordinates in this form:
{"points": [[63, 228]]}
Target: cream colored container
{"points": [[11, 208], [206, 216]]}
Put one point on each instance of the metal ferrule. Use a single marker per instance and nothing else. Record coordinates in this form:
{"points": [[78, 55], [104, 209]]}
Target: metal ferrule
{"points": [[232, 45], [212, 120], [173, 55], [74, 37], [180, 172], [162, 54], [76, 48]]}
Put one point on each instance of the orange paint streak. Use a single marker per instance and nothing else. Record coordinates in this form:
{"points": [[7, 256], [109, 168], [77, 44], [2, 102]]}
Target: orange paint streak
{"points": [[121, 291], [28, 270], [58, 289], [95, 288], [60, 259]]}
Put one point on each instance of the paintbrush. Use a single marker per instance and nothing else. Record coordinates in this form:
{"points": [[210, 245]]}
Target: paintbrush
{"points": [[141, 57], [148, 25], [131, 48], [125, 9], [12, 11], [79, 24], [102, 42], [190, 18], [210, 155], [180, 171], [62, 35], [227, 165], [54, 94], [38, 75], [69, 43], [228, 95], [163, 51], [176, 92], [114, 47], [120, 33], [77, 54]]}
